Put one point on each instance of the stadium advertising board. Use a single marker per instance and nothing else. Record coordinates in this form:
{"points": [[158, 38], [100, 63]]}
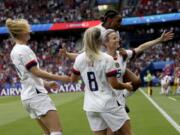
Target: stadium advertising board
{"points": [[68, 87], [74, 25]]}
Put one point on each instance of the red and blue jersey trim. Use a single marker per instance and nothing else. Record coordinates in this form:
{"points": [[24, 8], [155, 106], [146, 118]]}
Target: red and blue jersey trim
{"points": [[31, 64], [111, 73], [76, 72]]}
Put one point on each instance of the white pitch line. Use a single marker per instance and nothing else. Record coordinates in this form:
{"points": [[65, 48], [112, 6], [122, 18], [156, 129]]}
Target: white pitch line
{"points": [[168, 118], [172, 98]]}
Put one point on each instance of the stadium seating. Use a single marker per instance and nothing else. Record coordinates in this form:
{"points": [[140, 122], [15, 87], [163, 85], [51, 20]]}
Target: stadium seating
{"points": [[149, 7], [47, 11]]}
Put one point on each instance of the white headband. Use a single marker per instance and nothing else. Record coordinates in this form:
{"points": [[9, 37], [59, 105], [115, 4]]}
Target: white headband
{"points": [[105, 33]]}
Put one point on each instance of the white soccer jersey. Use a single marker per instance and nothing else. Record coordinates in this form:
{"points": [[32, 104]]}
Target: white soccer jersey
{"points": [[99, 95], [24, 58], [165, 80], [121, 63]]}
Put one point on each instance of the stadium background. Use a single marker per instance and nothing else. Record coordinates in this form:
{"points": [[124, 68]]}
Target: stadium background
{"points": [[61, 23]]}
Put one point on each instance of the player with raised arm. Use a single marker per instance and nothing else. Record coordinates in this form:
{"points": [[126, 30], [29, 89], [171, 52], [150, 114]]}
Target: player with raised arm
{"points": [[112, 20], [111, 42], [33, 95]]}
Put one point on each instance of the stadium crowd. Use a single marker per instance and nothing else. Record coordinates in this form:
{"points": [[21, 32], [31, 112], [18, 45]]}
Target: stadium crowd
{"points": [[47, 11], [150, 7], [52, 11]]}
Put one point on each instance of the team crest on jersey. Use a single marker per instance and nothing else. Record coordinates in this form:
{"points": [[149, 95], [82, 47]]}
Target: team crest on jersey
{"points": [[117, 65]]}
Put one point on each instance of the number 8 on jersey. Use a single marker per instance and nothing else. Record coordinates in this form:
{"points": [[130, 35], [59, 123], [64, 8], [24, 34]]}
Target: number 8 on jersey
{"points": [[92, 81]]}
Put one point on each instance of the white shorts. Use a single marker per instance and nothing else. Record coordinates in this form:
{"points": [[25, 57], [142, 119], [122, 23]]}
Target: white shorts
{"points": [[38, 106], [101, 120]]}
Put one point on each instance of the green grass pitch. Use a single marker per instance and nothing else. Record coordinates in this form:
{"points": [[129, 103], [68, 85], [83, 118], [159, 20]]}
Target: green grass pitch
{"points": [[145, 118]]}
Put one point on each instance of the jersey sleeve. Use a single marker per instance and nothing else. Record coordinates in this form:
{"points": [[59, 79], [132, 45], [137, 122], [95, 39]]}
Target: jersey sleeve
{"points": [[28, 58], [110, 68], [130, 54], [76, 66]]}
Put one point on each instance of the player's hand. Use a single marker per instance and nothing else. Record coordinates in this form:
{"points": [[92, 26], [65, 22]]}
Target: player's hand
{"points": [[63, 52], [129, 86], [53, 85], [122, 52], [166, 36]]}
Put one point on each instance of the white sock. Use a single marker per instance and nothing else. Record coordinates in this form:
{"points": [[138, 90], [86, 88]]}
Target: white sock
{"points": [[56, 133]]}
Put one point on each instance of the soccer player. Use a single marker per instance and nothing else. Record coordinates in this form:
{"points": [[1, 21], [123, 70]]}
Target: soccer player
{"points": [[166, 79], [33, 95], [98, 72], [111, 42], [165, 85]]}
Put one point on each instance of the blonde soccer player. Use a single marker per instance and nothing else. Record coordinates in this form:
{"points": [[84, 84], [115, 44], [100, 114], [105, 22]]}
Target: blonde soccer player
{"points": [[33, 95], [98, 72]]}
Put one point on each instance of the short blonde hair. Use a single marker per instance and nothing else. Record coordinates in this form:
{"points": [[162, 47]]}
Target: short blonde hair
{"points": [[17, 27], [92, 42]]}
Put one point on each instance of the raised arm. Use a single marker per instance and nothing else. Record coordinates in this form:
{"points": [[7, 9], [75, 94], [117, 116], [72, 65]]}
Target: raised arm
{"points": [[164, 37]]}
